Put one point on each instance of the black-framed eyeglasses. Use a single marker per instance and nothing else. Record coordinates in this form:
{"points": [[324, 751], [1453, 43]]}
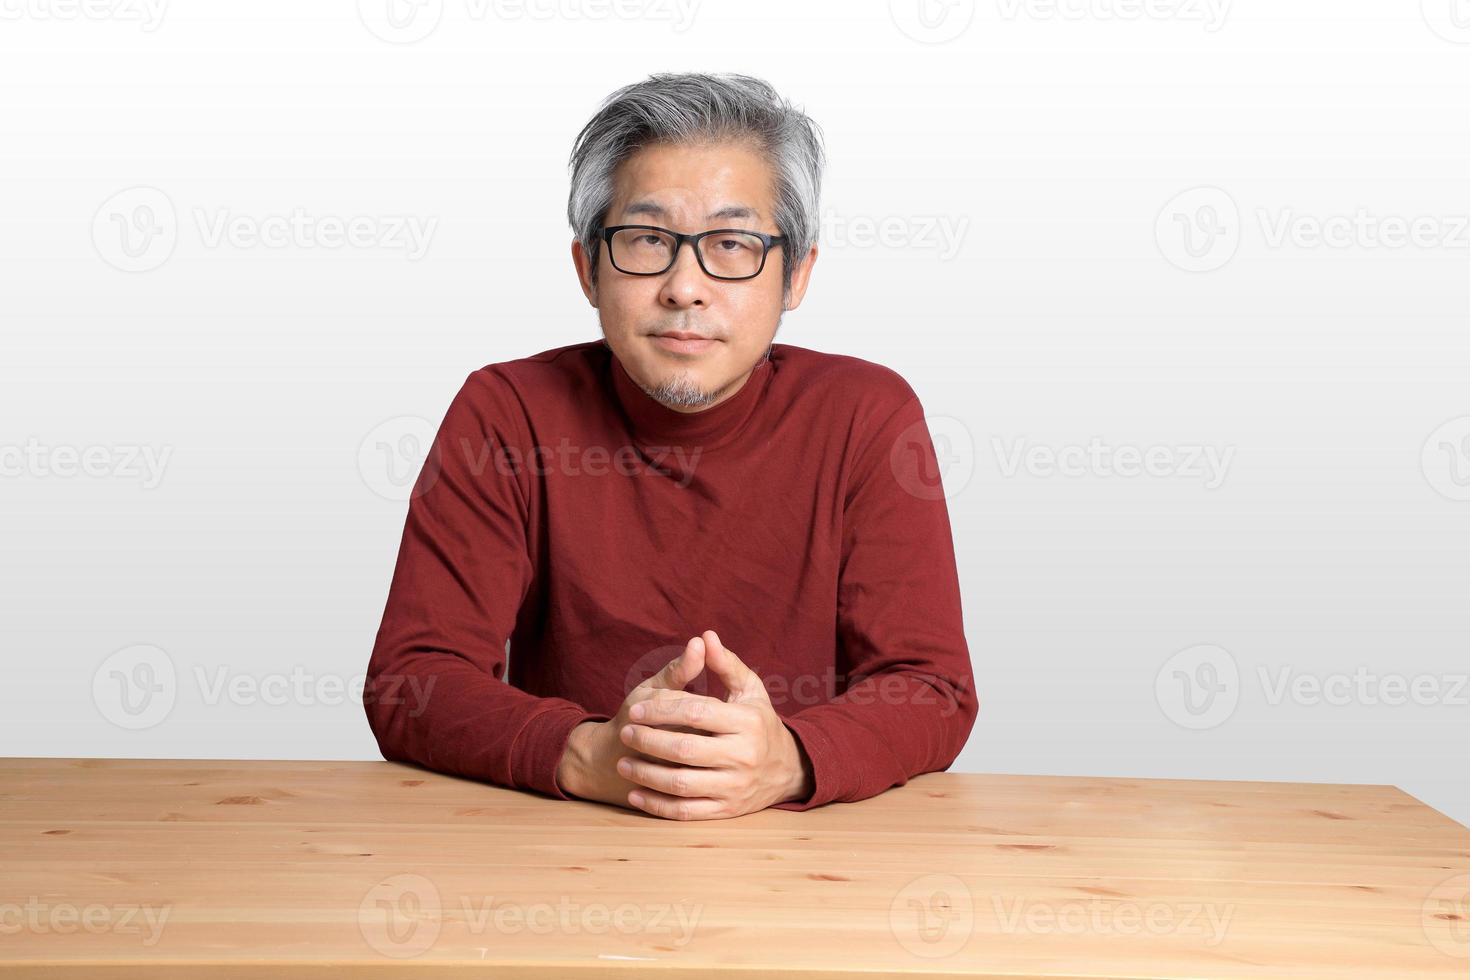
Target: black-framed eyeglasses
{"points": [[723, 253]]}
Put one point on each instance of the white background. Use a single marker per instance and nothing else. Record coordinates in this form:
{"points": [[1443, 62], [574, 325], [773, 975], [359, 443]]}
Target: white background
{"points": [[1002, 224]]}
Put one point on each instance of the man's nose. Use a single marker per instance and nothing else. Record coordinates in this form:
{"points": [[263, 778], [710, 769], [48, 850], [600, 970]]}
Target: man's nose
{"points": [[685, 284]]}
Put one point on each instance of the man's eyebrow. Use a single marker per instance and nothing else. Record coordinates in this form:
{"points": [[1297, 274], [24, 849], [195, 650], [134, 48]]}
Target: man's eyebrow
{"points": [[656, 210]]}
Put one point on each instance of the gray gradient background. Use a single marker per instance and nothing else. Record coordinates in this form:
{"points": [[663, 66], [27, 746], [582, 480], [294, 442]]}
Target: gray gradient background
{"points": [[1052, 147]]}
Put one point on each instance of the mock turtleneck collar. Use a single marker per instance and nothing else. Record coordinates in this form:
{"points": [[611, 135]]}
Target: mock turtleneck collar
{"points": [[655, 424]]}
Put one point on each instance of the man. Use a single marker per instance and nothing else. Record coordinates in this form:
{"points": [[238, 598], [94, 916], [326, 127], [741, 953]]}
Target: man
{"points": [[683, 482]]}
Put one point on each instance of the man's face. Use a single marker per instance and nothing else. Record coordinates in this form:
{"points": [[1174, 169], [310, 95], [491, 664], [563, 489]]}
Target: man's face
{"points": [[691, 188]]}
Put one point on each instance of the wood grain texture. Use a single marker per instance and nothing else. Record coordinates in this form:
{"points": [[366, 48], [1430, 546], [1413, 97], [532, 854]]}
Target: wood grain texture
{"points": [[230, 869]]}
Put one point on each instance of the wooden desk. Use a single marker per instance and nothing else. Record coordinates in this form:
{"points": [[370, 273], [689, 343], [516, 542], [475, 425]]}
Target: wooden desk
{"points": [[171, 869]]}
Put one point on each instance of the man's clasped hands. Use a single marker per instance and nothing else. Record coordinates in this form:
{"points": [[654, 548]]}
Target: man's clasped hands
{"points": [[685, 756]]}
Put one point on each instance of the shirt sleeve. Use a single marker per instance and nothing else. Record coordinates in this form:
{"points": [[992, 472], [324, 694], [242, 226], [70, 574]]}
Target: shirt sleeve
{"points": [[909, 703], [435, 692]]}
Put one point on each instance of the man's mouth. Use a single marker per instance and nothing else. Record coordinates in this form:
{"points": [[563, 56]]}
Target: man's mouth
{"points": [[683, 335], [683, 341]]}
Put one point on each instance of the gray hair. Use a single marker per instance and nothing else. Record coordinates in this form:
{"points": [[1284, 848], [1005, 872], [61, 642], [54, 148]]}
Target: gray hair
{"points": [[694, 108]]}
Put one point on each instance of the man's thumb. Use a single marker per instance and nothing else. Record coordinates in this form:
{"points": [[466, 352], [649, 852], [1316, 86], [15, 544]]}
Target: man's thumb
{"points": [[677, 673], [742, 683]]}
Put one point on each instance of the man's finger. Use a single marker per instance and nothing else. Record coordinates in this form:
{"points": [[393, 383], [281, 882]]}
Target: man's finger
{"points": [[743, 683], [694, 711], [640, 695], [675, 780], [684, 748], [677, 673], [676, 807]]}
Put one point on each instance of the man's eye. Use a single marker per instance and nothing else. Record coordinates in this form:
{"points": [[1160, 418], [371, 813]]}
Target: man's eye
{"points": [[650, 240]]}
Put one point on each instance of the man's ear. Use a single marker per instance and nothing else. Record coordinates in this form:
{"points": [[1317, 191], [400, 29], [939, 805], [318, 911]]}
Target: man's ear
{"points": [[583, 264], [800, 277]]}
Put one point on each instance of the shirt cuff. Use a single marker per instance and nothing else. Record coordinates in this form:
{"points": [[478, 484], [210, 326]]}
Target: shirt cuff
{"points": [[811, 740], [540, 745]]}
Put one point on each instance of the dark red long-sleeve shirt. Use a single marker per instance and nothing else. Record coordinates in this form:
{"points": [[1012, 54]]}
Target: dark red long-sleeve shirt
{"points": [[563, 509]]}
